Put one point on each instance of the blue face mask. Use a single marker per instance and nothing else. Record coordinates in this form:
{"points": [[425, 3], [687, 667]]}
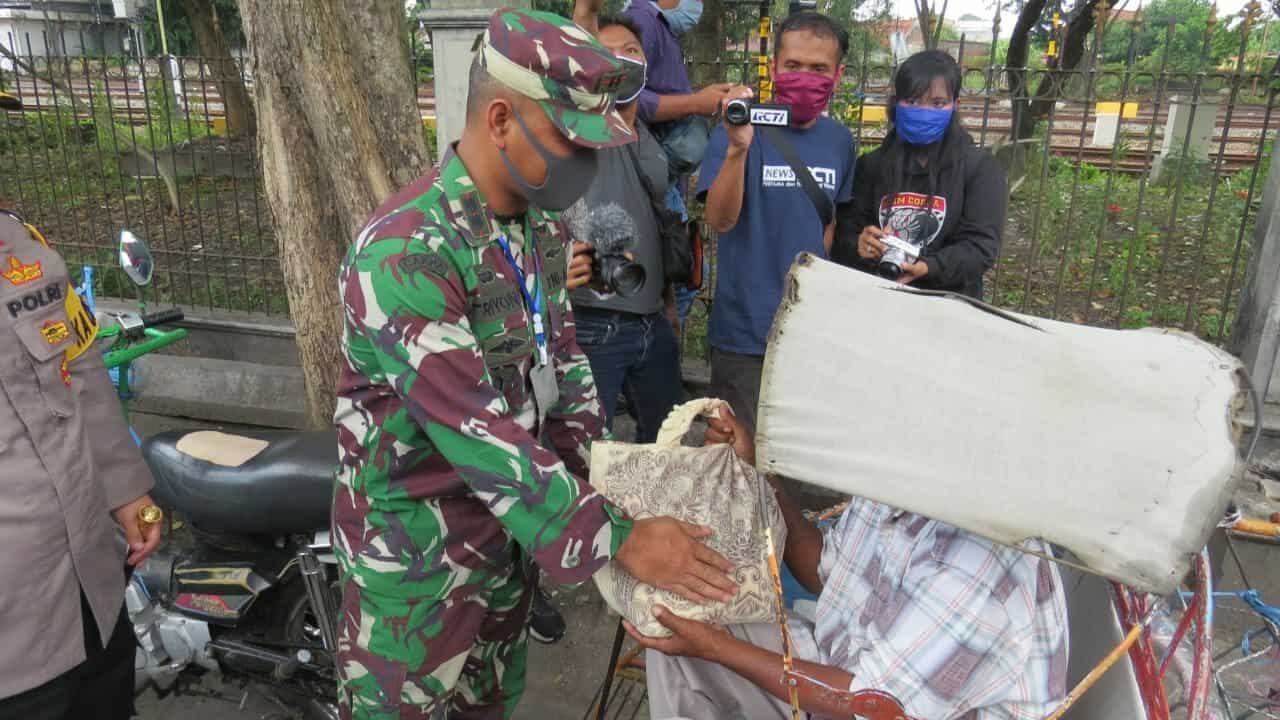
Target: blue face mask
{"points": [[683, 17], [921, 125]]}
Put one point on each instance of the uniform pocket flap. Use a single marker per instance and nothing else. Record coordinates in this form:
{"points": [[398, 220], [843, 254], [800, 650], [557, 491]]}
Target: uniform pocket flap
{"points": [[45, 334]]}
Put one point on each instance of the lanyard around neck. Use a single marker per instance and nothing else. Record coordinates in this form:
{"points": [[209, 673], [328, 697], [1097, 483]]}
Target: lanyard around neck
{"points": [[534, 303]]}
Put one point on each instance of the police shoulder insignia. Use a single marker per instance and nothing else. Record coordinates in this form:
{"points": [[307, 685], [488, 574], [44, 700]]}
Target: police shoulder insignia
{"points": [[424, 262], [20, 273]]}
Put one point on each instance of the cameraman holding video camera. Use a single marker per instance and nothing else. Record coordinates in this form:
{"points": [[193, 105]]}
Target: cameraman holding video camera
{"points": [[769, 189], [928, 207]]}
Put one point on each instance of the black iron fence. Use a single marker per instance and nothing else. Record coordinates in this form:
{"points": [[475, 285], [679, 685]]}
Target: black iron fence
{"points": [[1134, 184]]}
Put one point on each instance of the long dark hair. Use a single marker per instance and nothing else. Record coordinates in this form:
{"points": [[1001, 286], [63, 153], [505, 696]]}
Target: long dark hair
{"points": [[914, 78]]}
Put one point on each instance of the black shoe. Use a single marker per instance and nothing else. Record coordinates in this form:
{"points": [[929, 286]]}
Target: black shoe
{"points": [[545, 623]]}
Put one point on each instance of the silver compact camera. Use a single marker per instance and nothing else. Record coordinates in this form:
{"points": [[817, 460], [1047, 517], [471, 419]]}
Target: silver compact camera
{"points": [[898, 252]]}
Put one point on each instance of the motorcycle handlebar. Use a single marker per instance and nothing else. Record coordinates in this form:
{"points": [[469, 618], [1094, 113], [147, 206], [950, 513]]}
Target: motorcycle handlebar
{"points": [[163, 317]]}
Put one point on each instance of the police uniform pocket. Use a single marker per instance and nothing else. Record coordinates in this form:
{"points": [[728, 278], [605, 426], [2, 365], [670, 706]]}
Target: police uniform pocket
{"points": [[47, 335]]}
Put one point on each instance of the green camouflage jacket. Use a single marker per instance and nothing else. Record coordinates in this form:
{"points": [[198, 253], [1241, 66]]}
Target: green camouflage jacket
{"points": [[441, 464]]}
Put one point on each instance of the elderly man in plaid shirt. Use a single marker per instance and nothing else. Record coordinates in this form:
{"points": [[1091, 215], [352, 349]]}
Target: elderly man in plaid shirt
{"points": [[953, 626]]}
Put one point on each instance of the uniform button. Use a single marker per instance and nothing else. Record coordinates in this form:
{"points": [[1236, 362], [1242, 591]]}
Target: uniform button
{"points": [[572, 562]]}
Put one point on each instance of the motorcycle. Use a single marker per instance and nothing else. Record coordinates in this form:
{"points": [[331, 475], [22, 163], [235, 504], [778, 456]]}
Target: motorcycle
{"points": [[252, 588]]}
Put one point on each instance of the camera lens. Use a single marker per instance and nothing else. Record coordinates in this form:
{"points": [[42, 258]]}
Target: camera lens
{"points": [[737, 112], [627, 278], [890, 267]]}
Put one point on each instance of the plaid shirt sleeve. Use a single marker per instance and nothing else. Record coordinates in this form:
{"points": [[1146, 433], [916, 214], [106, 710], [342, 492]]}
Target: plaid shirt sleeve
{"points": [[955, 627]]}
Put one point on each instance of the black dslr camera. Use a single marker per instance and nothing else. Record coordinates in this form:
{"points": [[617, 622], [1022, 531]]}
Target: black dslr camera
{"points": [[618, 272], [741, 111]]}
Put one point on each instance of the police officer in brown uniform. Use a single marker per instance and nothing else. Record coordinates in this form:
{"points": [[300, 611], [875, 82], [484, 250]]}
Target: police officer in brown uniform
{"points": [[69, 475]]}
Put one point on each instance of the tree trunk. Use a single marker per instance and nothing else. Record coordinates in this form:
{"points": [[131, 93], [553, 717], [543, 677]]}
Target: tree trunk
{"points": [[215, 53], [706, 45], [1073, 51], [339, 132], [1015, 62], [925, 18], [1029, 108]]}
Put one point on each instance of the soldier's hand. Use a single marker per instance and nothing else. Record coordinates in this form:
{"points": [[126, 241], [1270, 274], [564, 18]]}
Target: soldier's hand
{"points": [[580, 265], [668, 554], [141, 540]]}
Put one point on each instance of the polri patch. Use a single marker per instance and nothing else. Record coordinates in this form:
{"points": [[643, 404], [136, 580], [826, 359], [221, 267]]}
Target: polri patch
{"points": [[54, 331]]}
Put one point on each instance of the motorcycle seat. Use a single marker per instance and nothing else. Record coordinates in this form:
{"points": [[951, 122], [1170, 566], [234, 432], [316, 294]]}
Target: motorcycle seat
{"points": [[273, 482]]}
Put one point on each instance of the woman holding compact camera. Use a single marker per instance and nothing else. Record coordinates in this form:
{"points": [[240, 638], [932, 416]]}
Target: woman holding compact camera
{"points": [[928, 204]]}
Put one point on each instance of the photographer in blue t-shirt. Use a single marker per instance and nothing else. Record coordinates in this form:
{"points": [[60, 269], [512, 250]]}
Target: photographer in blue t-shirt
{"points": [[765, 217]]}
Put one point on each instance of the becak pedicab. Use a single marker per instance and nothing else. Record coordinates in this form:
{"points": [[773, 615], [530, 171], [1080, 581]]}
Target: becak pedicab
{"points": [[1119, 448]]}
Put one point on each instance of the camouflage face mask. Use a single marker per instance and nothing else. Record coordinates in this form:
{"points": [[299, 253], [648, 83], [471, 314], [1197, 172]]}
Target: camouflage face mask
{"points": [[630, 87], [567, 177]]}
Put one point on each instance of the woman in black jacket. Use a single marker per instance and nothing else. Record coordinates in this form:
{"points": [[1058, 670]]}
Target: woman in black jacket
{"points": [[928, 187]]}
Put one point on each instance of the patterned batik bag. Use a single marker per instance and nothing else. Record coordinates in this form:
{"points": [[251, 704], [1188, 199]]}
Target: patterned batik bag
{"points": [[709, 486]]}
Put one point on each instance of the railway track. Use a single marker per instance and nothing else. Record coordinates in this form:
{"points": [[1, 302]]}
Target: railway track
{"points": [[1247, 122]]}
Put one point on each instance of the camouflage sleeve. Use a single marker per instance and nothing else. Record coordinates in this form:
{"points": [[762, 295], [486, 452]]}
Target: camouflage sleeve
{"points": [[424, 346], [577, 418]]}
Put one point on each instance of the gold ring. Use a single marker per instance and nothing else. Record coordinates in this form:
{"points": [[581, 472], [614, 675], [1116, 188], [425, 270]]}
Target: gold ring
{"points": [[149, 515]]}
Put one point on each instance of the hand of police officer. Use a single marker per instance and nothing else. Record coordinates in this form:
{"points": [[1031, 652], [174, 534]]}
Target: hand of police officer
{"points": [[709, 99], [869, 245], [141, 542], [739, 135], [580, 265], [667, 554]]}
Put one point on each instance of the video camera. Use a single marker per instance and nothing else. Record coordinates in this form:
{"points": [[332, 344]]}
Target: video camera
{"points": [[741, 111]]}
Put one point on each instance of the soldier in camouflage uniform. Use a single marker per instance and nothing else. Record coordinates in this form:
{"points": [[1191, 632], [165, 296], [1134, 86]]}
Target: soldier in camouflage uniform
{"points": [[459, 354]]}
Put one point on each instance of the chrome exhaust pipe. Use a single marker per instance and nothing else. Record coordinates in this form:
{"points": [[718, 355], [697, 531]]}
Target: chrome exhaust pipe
{"points": [[318, 593]]}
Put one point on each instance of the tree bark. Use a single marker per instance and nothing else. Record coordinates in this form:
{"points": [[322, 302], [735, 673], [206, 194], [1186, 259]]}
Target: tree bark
{"points": [[706, 46], [1015, 62], [338, 132], [215, 53], [1029, 108]]}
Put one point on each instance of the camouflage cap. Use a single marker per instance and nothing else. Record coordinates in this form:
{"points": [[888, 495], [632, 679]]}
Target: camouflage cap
{"points": [[573, 77], [9, 102]]}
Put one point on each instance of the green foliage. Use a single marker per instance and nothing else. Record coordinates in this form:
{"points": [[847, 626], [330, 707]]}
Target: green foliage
{"points": [[1186, 48], [177, 25], [1101, 244]]}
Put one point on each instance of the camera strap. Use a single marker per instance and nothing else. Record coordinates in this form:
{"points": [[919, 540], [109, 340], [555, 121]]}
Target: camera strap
{"points": [[821, 203]]}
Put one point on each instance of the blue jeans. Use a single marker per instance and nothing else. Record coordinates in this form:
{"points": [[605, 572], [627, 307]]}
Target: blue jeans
{"points": [[636, 355]]}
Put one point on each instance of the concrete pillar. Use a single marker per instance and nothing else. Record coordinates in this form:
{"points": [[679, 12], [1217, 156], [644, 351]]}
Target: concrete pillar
{"points": [[1201, 116], [1256, 336], [454, 26]]}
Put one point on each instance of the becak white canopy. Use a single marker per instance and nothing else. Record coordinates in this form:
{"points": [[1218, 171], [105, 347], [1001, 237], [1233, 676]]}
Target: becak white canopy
{"points": [[1118, 445]]}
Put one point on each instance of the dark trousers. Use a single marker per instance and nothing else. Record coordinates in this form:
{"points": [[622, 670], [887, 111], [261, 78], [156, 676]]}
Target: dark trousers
{"points": [[101, 687], [636, 355], [735, 379]]}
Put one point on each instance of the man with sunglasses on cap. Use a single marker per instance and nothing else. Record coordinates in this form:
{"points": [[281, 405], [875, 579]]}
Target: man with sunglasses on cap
{"points": [[459, 355]]}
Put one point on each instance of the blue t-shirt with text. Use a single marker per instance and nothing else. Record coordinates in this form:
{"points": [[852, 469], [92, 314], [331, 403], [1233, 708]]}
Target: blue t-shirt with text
{"points": [[778, 221]]}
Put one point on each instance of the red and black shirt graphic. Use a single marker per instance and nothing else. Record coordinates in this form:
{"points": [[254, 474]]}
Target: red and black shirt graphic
{"points": [[912, 217]]}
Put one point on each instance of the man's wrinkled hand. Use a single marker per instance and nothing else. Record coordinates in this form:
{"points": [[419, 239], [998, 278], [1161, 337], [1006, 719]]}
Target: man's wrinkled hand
{"points": [[689, 638], [580, 265], [727, 429], [142, 541], [669, 555]]}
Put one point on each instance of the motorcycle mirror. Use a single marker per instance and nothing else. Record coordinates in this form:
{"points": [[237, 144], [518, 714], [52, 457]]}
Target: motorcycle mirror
{"points": [[135, 258]]}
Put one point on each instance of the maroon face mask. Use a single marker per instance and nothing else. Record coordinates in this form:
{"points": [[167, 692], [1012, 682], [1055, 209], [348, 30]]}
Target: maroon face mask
{"points": [[806, 92]]}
